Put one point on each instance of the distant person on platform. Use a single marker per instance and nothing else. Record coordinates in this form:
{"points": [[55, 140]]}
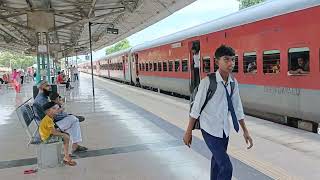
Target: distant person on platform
{"points": [[60, 80], [76, 73]]}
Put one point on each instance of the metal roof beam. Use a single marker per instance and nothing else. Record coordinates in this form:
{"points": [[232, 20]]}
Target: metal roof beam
{"points": [[87, 20], [92, 8], [12, 9], [29, 4], [14, 24], [14, 15], [9, 32], [74, 18]]}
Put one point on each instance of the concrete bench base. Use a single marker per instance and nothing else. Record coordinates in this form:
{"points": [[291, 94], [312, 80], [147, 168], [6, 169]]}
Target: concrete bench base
{"points": [[49, 155]]}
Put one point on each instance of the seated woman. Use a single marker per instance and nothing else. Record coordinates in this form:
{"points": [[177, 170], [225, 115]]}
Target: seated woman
{"points": [[48, 131], [60, 80]]}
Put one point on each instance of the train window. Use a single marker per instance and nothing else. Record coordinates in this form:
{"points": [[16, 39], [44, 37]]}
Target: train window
{"points": [[206, 64], [140, 67], [159, 66], [143, 67], [150, 66], [165, 67], [185, 65], [299, 62], [147, 67], [105, 66], [236, 64], [121, 66], [215, 66], [271, 61], [170, 65], [177, 65], [155, 66], [250, 62]]}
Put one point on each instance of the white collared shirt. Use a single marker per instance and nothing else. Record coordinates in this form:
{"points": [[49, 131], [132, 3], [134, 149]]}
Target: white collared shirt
{"points": [[196, 60], [215, 117]]}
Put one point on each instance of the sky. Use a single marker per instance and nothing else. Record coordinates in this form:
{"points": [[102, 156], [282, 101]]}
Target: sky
{"points": [[199, 12]]}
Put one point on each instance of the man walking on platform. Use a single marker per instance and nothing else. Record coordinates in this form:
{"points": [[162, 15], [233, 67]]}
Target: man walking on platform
{"points": [[216, 113]]}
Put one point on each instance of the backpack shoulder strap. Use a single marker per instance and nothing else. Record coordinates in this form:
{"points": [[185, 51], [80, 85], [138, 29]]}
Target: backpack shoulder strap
{"points": [[213, 82], [211, 90]]}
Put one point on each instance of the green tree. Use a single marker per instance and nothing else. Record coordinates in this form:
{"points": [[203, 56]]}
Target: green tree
{"points": [[18, 61], [248, 3], [124, 44]]}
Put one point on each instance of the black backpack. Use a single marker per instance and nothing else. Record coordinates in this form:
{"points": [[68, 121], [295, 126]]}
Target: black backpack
{"points": [[211, 90]]}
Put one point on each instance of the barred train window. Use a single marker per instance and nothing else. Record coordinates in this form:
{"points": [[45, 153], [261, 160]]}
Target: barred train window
{"points": [[236, 64], [299, 60], [147, 67], [271, 61], [170, 65], [155, 66], [143, 69], [177, 65], [140, 66], [165, 67], [159, 66], [185, 65], [150, 66], [215, 67], [250, 62], [206, 64]]}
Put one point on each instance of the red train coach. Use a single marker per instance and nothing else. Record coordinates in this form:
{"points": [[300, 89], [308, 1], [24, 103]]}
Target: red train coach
{"points": [[270, 40]]}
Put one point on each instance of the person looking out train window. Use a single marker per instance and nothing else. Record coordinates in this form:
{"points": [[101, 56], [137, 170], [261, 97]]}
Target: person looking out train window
{"points": [[302, 67]]}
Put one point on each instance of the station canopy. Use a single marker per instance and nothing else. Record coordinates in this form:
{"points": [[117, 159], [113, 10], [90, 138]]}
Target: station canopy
{"points": [[66, 22]]}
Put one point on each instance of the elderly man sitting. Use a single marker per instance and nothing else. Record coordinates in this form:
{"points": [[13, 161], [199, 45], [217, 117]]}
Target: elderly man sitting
{"points": [[67, 123]]}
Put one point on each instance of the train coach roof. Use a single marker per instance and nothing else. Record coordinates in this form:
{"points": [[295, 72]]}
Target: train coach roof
{"points": [[119, 53], [255, 13]]}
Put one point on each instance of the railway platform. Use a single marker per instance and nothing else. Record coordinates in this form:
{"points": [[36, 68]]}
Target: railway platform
{"points": [[137, 134]]}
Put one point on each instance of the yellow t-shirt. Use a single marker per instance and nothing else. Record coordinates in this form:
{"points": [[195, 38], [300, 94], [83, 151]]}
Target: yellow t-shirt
{"points": [[45, 127]]}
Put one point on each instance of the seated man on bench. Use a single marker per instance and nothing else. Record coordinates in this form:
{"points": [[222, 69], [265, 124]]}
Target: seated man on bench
{"points": [[55, 97], [67, 123], [48, 131]]}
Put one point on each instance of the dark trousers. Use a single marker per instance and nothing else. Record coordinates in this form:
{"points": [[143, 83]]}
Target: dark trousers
{"points": [[21, 77], [66, 83], [196, 77], [221, 167], [2, 81], [76, 78]]}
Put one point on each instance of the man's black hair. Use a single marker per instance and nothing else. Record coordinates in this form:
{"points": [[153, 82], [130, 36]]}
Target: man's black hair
{"points": [[224, 50]]}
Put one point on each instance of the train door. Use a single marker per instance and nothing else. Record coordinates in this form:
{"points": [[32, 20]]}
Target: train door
{"points": [[109, 66], [127, 69], [194, 54], [135, 70], [130, 68], [123, 67]]}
